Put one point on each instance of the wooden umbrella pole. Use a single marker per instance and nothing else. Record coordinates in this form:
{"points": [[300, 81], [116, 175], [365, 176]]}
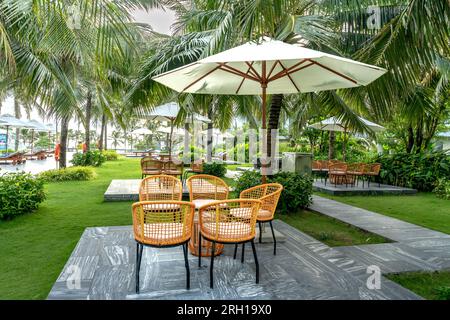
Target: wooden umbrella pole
{"points": [[264, 101]]}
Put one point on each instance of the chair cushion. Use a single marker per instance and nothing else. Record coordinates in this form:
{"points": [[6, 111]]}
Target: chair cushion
{"points": [[155, 233], [227, 231], [264, 214], [201, 202], [151, 171]]}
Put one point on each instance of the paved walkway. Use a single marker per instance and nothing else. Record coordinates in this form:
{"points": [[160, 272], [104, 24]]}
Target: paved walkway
{"points": [[414, 248]]}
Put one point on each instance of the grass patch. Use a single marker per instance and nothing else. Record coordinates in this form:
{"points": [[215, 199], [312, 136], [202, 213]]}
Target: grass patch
{"points": [[430, 285], [330, 231], [423, 209], [35, 247]]}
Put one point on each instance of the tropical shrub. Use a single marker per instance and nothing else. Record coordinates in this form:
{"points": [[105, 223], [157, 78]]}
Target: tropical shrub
{"points": [[297, 192], [215, 169], [110, 155], [442, 189], [20, 193], [90, 158], [417, 170], [68, 174]]}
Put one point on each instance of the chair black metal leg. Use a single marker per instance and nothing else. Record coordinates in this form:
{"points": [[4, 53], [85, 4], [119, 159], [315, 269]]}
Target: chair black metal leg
{"points": [[211, 278], [274, 239], [235, 251], [256, 261], [243, 251], [139, 250], [199, 249], [186, 264], [260, 231]]}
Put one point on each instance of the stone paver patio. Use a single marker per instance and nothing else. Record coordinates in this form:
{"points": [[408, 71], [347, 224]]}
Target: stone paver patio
{"points": [[304, 267]]}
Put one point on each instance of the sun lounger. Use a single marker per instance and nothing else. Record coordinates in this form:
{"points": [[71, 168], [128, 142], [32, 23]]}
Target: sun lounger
{"points": [[37, 155], [13, 158]]}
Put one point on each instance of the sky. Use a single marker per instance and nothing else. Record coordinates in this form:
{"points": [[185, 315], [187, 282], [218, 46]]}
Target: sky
{"points": [[160, 20]]}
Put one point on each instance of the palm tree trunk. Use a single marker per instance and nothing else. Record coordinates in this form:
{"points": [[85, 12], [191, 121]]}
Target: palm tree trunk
{"points": [[105, 145], [87, 124], [331, 143], [410, 144], [209, 136], [63, 142], [102, 131], [274, 119], [18, 115]]}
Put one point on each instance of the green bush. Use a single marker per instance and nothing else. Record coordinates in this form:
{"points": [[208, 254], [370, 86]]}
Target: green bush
{"points": [[297, 192], [110, 155], [90, 158], [418, 170], [215, 169], [68, 174], [442, 189], [20, 193]]}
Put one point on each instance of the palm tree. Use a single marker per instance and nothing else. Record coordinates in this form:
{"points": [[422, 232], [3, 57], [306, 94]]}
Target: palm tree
{"points": [[57, 47]]}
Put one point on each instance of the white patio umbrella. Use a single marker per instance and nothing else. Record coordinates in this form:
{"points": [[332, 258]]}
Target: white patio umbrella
{"points": [[9, 121], [36, 126], [269, 67], [335, 124], [169, 112]]}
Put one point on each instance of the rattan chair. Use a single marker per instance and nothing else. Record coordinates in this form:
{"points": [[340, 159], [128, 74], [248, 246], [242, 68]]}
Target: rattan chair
{"points": [[337, 173], [173, 168], [372, 170], [196, 168], [268, 194], [160, 188], [150, 166], [228, 222], [162, 224], [204, 188]]}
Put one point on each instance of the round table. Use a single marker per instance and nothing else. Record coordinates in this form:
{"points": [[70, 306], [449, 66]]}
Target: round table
{"points": [[206, 245]]}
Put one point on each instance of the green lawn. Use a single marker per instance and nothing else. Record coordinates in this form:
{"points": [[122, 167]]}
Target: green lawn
{"points": [[430, 285], [330, 231], [423, 209], [35, 247]]}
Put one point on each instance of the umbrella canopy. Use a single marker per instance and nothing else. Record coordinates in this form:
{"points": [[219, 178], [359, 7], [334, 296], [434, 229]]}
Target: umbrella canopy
{"points": [[51, 127], [8, 120], [169, 112], [334, 124], [269, 67], [282, 67], [142, 131]]}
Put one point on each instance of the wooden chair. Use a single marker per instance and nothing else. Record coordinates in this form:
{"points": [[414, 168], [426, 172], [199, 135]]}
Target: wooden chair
{"points": [[160, 188], [196, 168], [162, 224], [173, 168], [204, 188], [268, 194], [372, 170], [337, 173], [354, 172], [228, 222], [150, 166]]}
